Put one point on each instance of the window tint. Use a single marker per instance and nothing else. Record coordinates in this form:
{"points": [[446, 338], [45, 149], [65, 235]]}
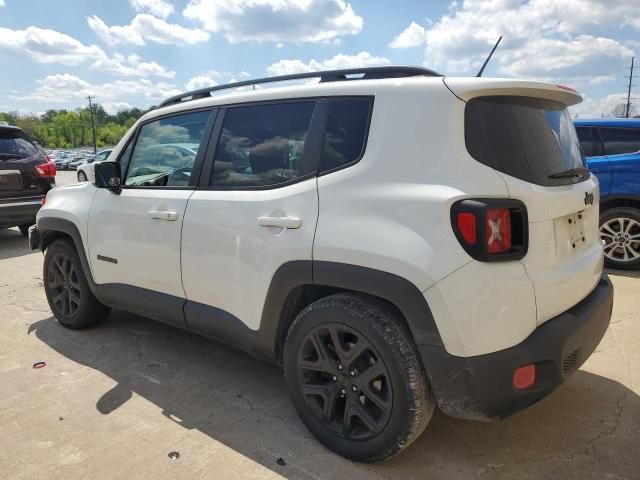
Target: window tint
{"points": [[262, 145], [527, 138], [347, 129], [16, 148], [620, 140], [585, 137], [165, 151]]}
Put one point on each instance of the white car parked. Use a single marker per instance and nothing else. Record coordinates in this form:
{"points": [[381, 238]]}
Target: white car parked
{"points": [[395, 239], [85, 170]]}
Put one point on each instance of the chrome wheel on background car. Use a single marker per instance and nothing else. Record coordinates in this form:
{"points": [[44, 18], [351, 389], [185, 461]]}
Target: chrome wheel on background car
{"points": [[344, 382], [620, 234]]}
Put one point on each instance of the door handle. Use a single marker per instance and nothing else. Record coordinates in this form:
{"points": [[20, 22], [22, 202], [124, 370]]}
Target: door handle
{"points": [[282, 222], [163, 215]]}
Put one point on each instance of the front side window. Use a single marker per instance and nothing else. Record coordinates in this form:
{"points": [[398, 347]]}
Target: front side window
{"points": [[262, 145], [619, 141], [346, 134], [165, 151]]}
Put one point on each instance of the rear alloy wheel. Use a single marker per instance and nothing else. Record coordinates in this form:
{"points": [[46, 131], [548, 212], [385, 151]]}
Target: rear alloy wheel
{"points": [[355, 377], [82, 177], [67, 290], [620, 234]]}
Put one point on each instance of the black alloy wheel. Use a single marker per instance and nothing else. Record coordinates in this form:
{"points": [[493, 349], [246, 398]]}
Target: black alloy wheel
{"points": [[64, 285], [345, 382]]}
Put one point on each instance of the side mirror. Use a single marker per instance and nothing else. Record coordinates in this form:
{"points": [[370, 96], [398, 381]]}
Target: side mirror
{"points": [[107, 175]]}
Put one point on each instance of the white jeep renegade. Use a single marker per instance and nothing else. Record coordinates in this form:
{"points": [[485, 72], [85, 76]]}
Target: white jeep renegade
{"points": [[395, 239]]}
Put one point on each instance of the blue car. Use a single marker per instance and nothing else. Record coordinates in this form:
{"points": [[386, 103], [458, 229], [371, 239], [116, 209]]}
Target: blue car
{"points": [[612, 150]]}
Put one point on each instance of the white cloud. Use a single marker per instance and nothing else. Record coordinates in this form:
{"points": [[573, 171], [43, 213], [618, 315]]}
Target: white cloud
{"points": [[115, 107], [542, 38], [159, 8], [47, 46], [2, 4], [131, 66], [412, 36], [209, 79], [362, 59], [146, 28], [276, 20], [62, 88], [597, 107]]}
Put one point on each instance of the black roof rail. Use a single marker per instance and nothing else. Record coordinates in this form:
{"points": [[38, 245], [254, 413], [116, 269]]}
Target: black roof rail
{"points": [[364, 73]]}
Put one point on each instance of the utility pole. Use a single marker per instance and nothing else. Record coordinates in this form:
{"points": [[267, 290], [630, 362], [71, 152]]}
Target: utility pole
{"points": [[629, 98], [93, 125]]}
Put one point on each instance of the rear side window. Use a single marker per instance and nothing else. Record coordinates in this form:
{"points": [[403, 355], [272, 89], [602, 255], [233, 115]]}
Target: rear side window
{"points": [[527, 138], [347, 130], [585, 137], [16, 148], [618, 141], [263, 145]]}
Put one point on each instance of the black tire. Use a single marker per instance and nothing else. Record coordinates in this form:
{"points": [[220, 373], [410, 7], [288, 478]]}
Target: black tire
{"points": [[67, 290], [620, 230], [392, 401], [24, 229], [81, 176]]}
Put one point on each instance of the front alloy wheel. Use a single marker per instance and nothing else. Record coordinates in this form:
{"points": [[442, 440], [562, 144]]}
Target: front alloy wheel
{"points": [[64, 285]]}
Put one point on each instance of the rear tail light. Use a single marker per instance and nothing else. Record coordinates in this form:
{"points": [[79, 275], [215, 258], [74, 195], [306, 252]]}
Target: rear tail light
{"points": [[46, 169], [491, 229]]}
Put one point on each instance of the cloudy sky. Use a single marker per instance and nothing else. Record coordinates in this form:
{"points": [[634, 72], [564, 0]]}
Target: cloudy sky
{"points": [[136, 52]]}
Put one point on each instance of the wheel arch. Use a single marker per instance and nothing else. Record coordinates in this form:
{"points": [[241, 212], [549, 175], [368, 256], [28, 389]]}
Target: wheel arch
{"points": [[297, 284], [613, 201], [52, 229]]}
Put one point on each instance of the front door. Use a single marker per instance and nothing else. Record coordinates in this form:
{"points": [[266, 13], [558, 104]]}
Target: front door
{"points": [[135, 236], [257, 211]]}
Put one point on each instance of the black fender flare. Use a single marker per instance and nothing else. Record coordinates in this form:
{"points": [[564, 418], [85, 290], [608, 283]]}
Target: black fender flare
{"points": [[397, 290], [50, 229]]}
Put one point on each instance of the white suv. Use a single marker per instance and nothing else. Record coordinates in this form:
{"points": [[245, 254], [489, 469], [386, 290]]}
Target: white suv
{"points": [[395, 239]]}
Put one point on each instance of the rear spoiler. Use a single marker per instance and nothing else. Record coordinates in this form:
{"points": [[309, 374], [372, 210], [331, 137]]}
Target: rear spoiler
{"points": [[466, 88]]}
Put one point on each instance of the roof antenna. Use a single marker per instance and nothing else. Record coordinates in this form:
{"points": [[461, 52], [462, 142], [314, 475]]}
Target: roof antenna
{"points": [[489, 57]]}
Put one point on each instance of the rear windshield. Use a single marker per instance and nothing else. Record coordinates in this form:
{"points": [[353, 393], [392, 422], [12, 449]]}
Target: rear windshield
{"points": [[527, 138], [15, 148]]}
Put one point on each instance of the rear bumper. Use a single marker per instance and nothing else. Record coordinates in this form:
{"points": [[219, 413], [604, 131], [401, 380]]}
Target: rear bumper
{"points": [[19, 212], [481, 388]]}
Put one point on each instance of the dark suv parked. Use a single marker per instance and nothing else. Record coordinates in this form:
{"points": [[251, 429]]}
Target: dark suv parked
{"points": [[26, 175]]}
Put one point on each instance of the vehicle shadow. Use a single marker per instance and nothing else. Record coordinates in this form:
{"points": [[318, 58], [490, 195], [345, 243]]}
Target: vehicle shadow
{"points": [[623, 273], [582, 430], [13, 244]]}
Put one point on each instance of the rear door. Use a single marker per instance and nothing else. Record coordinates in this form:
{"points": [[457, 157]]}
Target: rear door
{"points": [[622, 146], [256, 211], [593, 150], [530, 139], [134, 237]]}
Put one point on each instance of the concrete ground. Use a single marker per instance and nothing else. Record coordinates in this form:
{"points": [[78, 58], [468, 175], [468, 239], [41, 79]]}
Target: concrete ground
{"points": [[114, 401]]}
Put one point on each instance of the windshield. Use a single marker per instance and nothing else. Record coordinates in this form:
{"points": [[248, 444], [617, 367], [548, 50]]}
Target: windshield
{"points": [[527, 138], [16, 148]]}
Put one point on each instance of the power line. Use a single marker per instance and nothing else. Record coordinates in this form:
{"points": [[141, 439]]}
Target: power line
{"points": [[629, 98]]}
